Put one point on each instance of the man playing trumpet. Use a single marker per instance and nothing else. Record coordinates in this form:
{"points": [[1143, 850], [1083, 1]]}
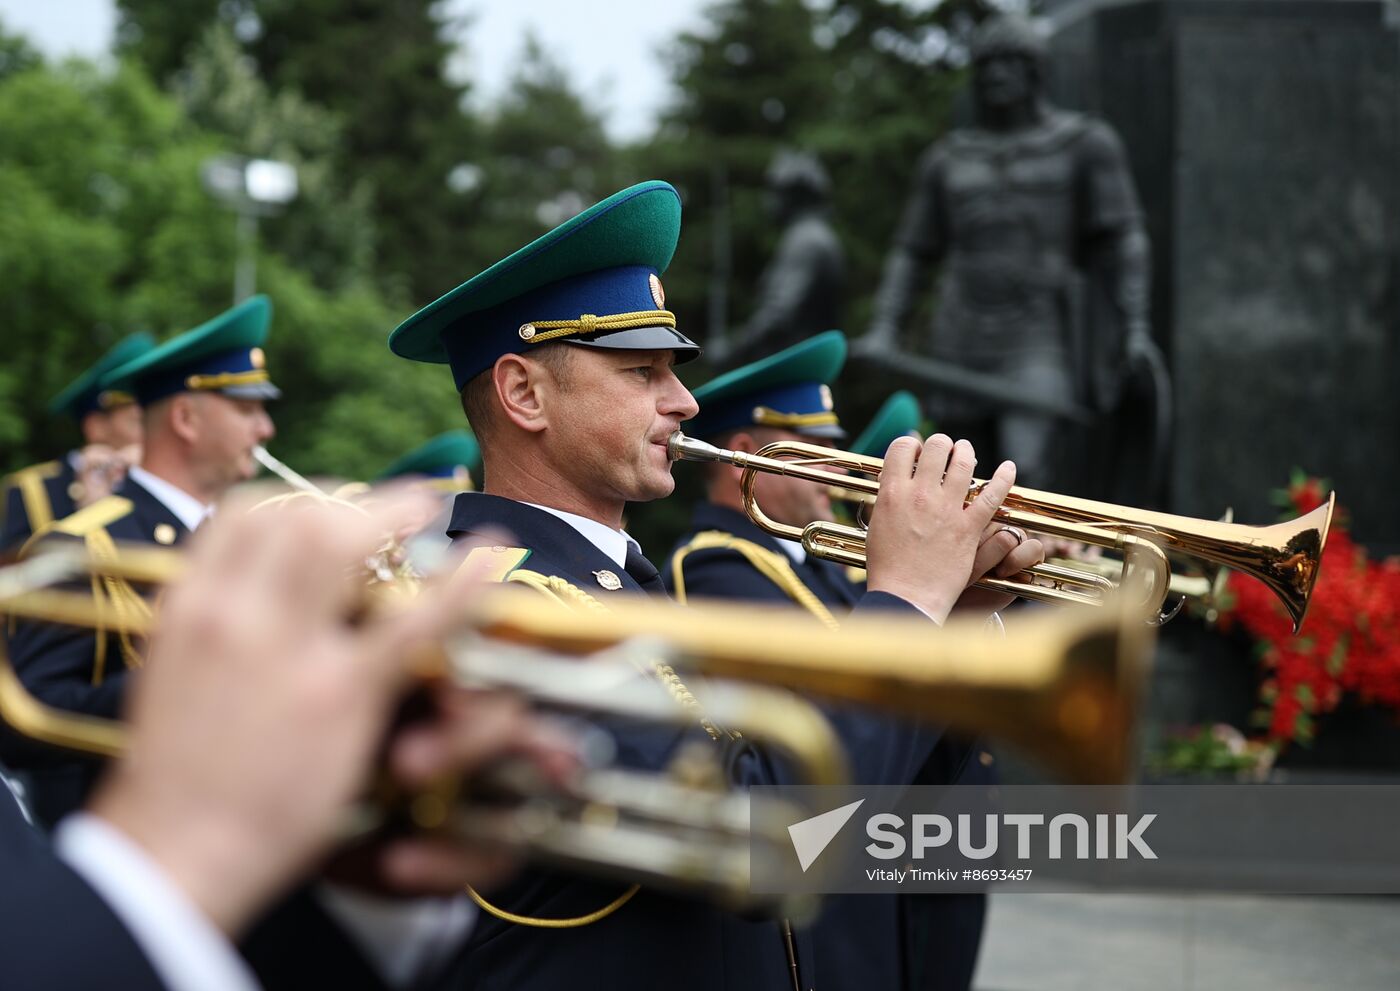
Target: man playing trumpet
{"points": [[110, 422], [563, 354]]}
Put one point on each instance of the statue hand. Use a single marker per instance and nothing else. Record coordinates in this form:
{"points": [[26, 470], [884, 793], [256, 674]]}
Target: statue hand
{"points": [[1139, 346], [882, 336]]}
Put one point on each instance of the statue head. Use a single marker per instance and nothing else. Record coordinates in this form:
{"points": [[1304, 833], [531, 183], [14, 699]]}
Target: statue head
{"points": [[1008, 59], [796, 181]]}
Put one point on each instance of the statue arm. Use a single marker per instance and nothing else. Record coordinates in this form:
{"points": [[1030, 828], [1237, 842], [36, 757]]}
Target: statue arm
{"points": [[1118, 235], [919, 241], [786, 282]]}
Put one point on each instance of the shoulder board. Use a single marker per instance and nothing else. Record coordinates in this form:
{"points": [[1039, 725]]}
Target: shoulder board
{"points": [[100, 515], [33, 495], [773, 565], [718, 540], [43, 470], [494, 564]]}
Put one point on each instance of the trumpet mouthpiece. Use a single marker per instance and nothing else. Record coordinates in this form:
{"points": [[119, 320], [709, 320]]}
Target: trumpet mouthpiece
{"points": [[682, 448]]}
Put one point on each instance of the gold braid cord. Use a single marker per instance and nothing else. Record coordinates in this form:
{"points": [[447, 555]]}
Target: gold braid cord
{"points": [[773, 565], [113, 598], [121, 599], [767, 417], [567, 594], [539, 331]]}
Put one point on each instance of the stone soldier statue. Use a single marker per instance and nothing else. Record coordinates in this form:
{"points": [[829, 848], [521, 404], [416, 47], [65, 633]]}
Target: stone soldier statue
{"points": [[800, 292], [1033, 216]]}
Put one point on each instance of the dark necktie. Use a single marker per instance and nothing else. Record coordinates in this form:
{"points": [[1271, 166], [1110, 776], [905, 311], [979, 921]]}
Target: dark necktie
{"points": [[643, 572]]}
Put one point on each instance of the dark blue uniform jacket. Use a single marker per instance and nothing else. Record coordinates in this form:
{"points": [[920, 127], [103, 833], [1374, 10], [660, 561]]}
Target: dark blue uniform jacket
{"points": [[56, 933], [655, 940], [861, 940]]}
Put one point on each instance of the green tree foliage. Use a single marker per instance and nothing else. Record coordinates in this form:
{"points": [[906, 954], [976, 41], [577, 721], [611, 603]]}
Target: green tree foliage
{"points": [[543, 156], [329, 228], [107, 229], [383, 68], [160, 34], [16, 54]]}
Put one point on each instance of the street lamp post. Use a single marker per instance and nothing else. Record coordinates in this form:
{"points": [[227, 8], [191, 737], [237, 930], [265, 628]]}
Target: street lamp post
{"points": [[251, 188]]}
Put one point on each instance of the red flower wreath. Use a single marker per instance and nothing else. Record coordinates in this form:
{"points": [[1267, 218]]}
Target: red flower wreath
{"points": [[1350, 641]]}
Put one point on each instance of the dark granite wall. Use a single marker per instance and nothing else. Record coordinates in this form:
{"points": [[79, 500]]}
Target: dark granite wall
{"points": [[1265, 138]]}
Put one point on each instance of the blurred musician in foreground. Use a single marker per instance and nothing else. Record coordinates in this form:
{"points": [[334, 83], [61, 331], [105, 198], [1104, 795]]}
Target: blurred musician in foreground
{"points": [[249, 741], [110, 422], [859, 939], [564, 355]]}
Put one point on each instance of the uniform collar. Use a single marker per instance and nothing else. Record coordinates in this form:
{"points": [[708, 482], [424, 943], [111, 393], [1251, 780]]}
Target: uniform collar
{"points": [[183, 506], [558, 547], [611, 542]]}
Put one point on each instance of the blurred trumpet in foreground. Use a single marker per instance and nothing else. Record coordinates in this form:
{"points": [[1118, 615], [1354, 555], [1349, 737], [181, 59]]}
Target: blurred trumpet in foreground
{"points": [[1285, 556], [1064, 687]]}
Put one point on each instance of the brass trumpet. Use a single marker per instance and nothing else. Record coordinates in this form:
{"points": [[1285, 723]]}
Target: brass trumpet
{"points": [[1285, 556], [1063, 686]]}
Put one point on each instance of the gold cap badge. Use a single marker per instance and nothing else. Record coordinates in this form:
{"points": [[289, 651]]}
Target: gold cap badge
{"points": [[658, 295], [608, 580], [827, 402], [256, 358]]}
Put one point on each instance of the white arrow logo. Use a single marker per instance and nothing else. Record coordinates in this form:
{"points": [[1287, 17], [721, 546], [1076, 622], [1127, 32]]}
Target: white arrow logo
{"points": [[811, 836]]}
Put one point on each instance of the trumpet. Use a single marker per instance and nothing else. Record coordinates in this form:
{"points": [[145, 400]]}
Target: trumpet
{"points": [[1285, 556], [294, 479], [1064, 687]]}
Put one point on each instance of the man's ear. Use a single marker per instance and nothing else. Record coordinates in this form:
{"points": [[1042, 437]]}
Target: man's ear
{"points": [[183, 417], [523, 388]]}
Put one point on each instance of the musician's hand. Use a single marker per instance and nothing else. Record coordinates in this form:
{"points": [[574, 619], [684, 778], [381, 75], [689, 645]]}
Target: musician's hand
{"points": [[468, 731], [1004, 551], [100, 469], [261, 708], [923, 538]]}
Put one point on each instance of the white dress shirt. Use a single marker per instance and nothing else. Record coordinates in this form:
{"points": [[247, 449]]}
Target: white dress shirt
{"points": [[611, 542], [183, 506], [183, 947], [794, 550]]}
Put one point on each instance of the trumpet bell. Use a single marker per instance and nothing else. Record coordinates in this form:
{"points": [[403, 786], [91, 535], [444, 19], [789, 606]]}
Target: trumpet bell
{"points": [[1285, 556]]}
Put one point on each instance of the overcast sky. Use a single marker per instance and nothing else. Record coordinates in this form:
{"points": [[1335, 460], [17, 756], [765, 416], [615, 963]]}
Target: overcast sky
{"points": [[629, 85]]}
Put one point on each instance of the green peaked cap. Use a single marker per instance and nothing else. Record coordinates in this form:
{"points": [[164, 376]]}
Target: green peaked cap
{"points": [[441, 454], [789, 389], [898, 416], [85, 393], [226, 349], [603, 261]]}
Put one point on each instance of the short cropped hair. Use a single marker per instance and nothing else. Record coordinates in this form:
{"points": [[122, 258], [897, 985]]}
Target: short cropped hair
{"points": [[479, 395]]}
